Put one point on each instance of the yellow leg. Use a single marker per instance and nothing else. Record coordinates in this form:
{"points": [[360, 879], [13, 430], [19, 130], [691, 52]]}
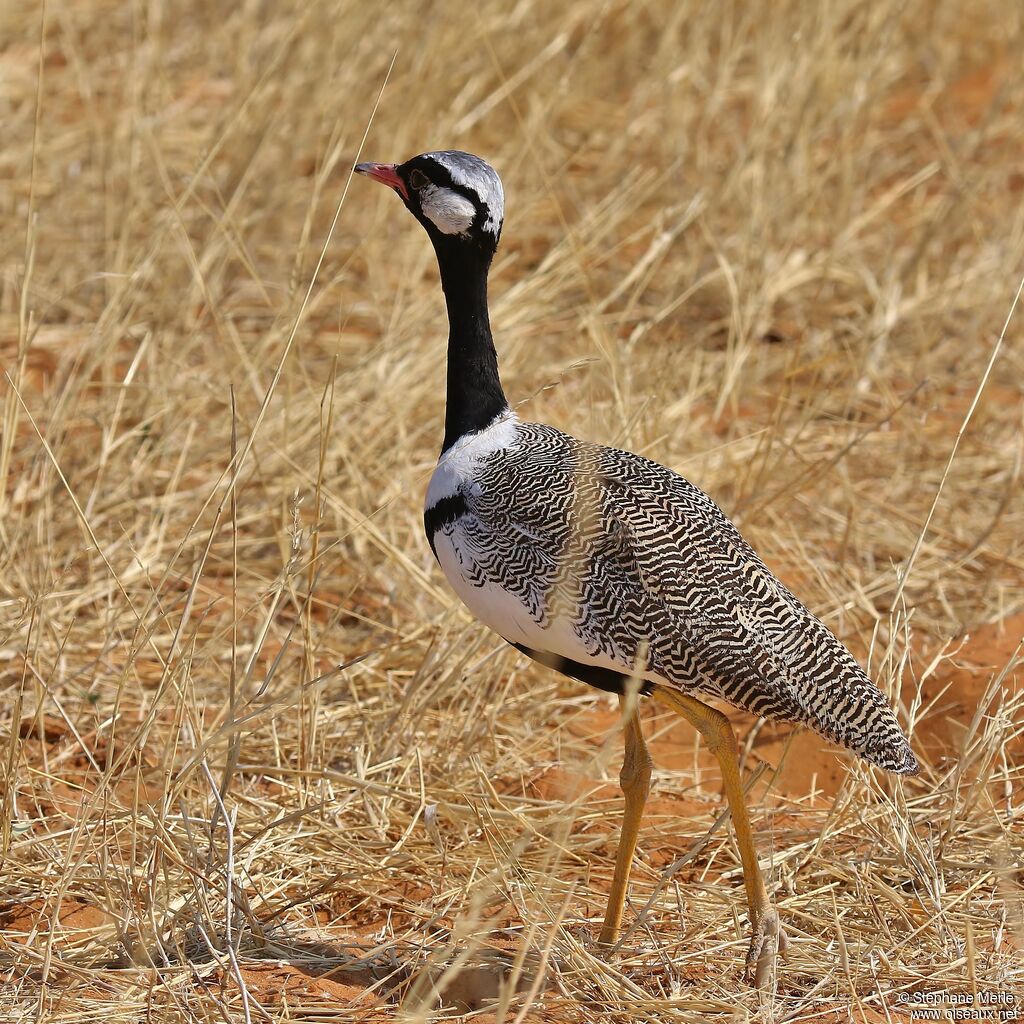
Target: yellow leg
{"points": [[768, 937], [635, 779]]}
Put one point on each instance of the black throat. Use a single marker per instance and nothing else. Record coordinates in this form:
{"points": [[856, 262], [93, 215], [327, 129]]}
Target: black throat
{"points": [[475, 397]]}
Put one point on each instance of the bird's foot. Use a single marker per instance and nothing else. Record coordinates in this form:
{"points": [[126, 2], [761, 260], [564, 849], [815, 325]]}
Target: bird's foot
{"points": [[766, 942]]}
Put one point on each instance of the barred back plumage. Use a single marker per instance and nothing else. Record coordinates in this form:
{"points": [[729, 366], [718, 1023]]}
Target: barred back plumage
{"points": [[613, 558]]}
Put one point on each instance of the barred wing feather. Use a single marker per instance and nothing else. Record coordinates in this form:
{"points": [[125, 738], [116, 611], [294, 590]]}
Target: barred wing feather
{"points": [[601, 556]]}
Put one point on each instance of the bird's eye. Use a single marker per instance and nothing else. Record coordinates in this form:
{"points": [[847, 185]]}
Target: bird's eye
{"points": [[418, 180]]}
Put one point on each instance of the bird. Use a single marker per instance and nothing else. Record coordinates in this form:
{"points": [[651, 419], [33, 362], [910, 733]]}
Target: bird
{"points": [[612, 569]]}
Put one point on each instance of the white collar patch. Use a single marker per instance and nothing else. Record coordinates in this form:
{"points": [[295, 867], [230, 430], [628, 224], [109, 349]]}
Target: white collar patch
{"points": [[458, 466]]}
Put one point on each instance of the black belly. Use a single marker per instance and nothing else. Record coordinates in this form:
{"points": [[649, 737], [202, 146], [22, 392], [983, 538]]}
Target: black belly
{"points": [[603, 678]]}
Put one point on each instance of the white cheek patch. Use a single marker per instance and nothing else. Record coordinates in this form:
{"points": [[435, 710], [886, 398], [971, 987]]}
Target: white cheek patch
{"points": [[470, 172], [447, 210]]}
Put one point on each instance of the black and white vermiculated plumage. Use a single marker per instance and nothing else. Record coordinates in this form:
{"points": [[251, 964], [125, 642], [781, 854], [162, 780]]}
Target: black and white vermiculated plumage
{"points": [[590, 559]]}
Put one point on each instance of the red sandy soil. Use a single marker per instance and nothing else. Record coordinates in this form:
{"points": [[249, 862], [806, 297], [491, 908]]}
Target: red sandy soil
{"points": [[273, 983], [962, 683], [964, 101], [72, 916], [278, 983]]}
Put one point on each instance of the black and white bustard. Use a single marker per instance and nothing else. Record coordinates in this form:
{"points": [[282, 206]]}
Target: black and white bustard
{"points": [[610, 567]]}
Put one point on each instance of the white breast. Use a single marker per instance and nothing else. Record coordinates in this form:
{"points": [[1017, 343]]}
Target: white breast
{"points": [[461, 470], [490, 603], [503, 611], [458, 471]]}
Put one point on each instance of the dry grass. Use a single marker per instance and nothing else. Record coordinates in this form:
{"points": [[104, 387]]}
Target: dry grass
{"points": [[772, 245]]}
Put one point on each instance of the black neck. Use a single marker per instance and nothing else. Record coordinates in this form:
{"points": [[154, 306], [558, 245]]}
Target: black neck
{"points": [[474, 390]]}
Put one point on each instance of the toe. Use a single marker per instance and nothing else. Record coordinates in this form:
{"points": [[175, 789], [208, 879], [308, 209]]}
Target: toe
{"points": [[765, 943]]}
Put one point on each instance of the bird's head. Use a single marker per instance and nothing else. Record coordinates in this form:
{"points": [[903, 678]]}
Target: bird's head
{"points": [[456, 196]]}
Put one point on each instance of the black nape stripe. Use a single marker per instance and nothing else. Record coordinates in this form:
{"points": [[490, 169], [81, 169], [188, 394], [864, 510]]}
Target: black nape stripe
{"points": [[603, 678], [440, 514]]}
